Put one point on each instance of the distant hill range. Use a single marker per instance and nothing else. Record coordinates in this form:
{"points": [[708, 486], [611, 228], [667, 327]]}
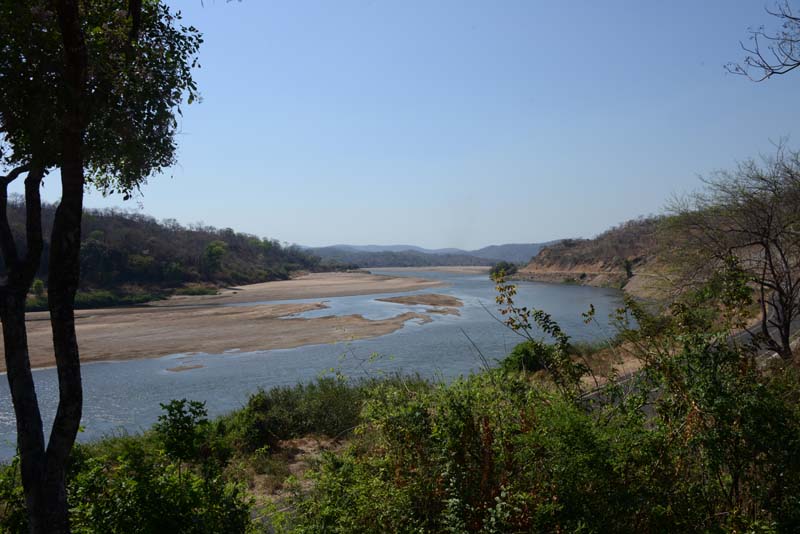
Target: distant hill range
{"points": [[414, 256]]}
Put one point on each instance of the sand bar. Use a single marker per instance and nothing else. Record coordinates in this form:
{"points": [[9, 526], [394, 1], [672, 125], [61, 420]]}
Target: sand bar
{"points": [[204, 324], [427, 299], [456, 269]]}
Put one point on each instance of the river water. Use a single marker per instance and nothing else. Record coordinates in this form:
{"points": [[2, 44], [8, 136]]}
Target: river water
{"points": [[124, 396]]}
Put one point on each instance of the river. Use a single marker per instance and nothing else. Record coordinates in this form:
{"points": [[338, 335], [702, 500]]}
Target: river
{"points": [[124, 396]]}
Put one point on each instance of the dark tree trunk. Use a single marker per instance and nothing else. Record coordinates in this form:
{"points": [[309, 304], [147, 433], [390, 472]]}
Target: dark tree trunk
{"points": [[45, 477], [20, 273], [30, 437]]}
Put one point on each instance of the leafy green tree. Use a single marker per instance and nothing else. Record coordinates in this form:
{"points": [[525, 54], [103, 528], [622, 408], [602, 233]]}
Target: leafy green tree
{"points": [[183, 429], [213, 255], [37, 288], [503, 268], [90, 88]]}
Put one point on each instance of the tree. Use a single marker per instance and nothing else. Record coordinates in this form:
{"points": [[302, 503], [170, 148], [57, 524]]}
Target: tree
{"points": [[770, 54], [182, 429], [503, 268], [213, 255], [749, 218], [92, 89]]}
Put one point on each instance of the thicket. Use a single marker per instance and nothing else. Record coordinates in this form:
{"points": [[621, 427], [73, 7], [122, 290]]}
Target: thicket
{"points": [[128, 257], [405, 258], [698, 441], [503, 268]]}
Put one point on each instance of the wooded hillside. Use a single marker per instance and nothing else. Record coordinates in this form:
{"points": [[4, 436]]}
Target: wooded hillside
{"points": [[405, 258], [613, 258], [121, 248]]}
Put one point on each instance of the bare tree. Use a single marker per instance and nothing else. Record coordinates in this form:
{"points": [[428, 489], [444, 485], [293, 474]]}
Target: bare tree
{"points": [[771, 53], [751, 215]]}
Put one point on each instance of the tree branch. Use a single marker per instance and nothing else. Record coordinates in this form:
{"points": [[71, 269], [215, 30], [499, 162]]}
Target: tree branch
{"points": [[8, 247]]}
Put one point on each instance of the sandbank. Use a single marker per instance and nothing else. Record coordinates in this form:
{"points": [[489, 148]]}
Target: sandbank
{"points": [[206, 324]]}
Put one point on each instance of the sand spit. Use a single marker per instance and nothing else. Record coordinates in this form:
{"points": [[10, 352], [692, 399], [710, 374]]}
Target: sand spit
{"points": [[456, 269], [427, 299]]}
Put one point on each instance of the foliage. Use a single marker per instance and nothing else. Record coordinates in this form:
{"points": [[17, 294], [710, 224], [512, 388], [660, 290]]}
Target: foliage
{"points": [[327, 407], [134, 88], [619, 249], [717, 449], [748, 216], [528, 356], [37, 289], [129, 484], [404, 258], [698, 441], [133, 257], [12, 499], [213, 255], [503, 268], [182, 428], [556, 357], [139, 493]]}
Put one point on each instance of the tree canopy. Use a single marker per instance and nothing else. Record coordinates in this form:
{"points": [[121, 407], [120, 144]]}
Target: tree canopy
{"points": [[134, 88]]}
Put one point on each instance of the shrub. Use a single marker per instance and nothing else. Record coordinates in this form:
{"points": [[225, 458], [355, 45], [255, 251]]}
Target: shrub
{"points": [[38, 288], [183, 428], [327, 407], [503, 268], [142, 493], [529, 356]]}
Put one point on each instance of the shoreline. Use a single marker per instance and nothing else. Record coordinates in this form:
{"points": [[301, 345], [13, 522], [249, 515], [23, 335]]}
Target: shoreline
{"points": [[244, 317]]}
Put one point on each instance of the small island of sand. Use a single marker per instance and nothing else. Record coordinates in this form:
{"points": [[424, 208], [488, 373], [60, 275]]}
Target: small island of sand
{"points": [[426, 299], [443, 304]]}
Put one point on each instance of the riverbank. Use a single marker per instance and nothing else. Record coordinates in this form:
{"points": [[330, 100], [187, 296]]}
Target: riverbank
{"points": [[207, 323]]}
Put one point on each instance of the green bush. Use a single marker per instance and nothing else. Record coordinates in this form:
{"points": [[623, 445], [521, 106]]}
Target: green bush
{"points": [[327, 407], [125, 484], [149, 494], [38, 288], [503, 268], [197, 290], [529, 356]]}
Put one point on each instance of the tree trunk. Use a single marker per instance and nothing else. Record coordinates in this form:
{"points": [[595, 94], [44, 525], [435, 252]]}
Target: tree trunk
{"points": [[63, 279], [30, 437], [20, 273], [64, 274]]}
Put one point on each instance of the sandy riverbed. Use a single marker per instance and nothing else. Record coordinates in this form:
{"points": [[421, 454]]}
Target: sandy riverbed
{"points": [[457, 269], [427, 299], [204, 324]]}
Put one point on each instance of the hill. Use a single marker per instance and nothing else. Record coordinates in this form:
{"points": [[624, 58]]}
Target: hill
{"points": [[512, 252], [389, 258], [129, 253], [623, 256], [414, 256], [398, 248]]}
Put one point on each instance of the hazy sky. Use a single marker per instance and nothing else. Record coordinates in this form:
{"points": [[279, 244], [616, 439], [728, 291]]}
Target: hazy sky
{"points": [[460, 123]]}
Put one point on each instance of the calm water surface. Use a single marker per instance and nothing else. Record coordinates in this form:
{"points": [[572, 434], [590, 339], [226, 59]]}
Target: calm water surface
{"points": [[124, 396]]}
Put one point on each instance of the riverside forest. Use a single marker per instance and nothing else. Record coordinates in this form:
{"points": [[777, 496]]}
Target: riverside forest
{"points": [[582, 337]]}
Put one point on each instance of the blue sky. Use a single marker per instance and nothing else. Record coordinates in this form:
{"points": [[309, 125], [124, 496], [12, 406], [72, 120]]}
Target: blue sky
{"points": [[460, 123]]}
